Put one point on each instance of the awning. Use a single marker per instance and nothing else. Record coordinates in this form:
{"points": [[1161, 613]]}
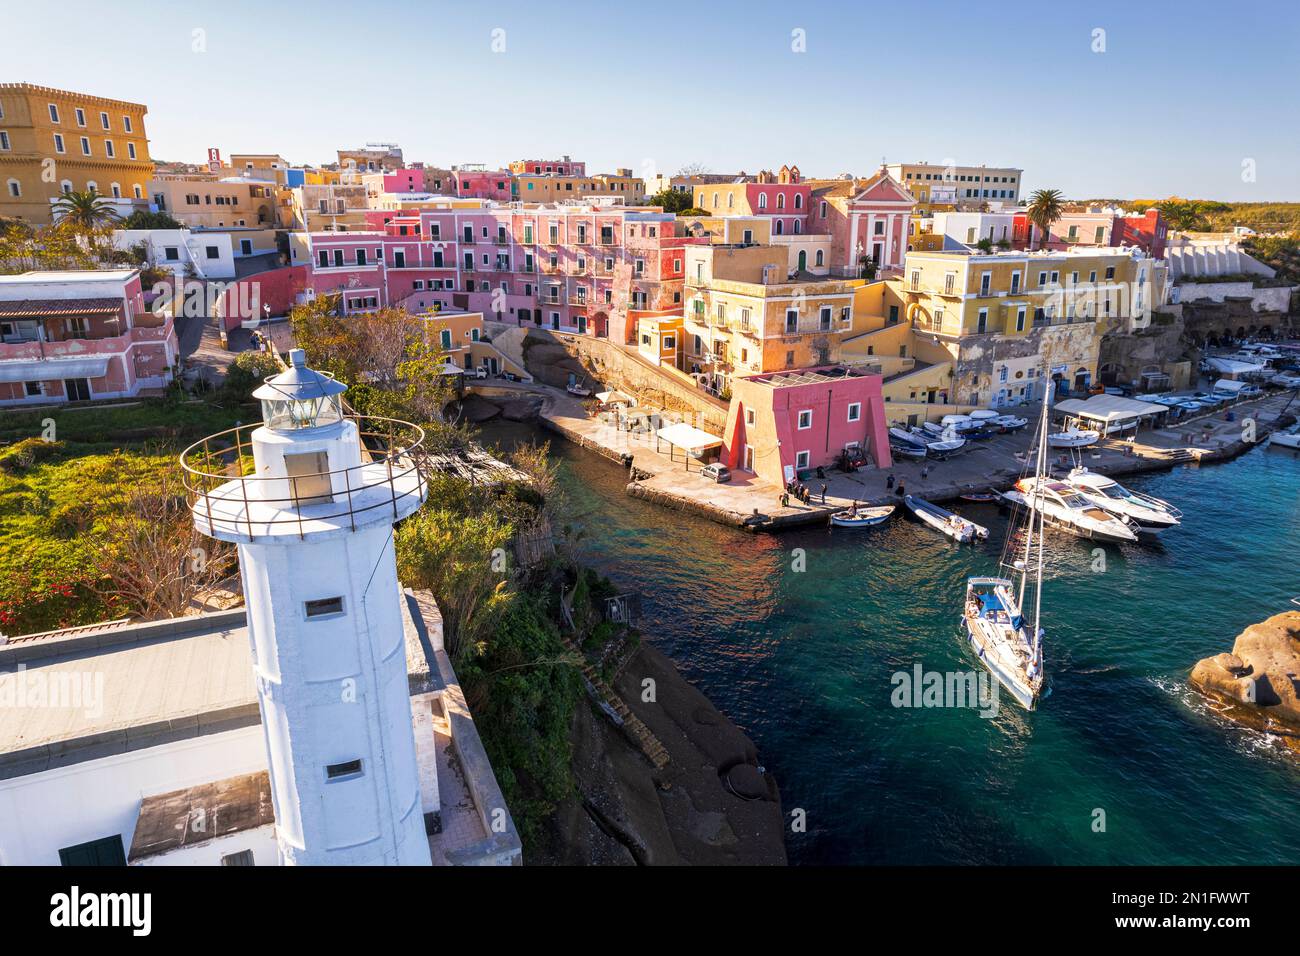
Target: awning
{"points": [[48, 370], [687, 436], [36, 308], [609, 398], [1109, 408], [1233, 367]]}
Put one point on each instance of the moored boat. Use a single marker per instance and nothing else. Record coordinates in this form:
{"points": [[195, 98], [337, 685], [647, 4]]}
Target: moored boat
{"points": [[1152, 515], [944, 521], [1063, 507], [861, 517], [1290, 438], [1073, 438]]}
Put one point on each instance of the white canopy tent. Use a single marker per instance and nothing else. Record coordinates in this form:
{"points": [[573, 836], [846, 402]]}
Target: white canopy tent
{"points": [[1234, 368], [687, 437], [615, 398]]}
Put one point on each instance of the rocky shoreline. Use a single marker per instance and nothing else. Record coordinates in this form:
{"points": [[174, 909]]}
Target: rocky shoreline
{"points": [[1257, 685], [711, 804]]}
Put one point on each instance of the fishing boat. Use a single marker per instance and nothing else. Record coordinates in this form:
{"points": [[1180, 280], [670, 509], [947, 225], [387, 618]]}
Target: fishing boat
{"points": [[1063, 507], [979, 497], [1009, 423], [573, 388], [1152, 515], [1073, 438], [1286, 439], [944, 521], [939, 443], [902, 449], [861, 517], [1004, 641]]}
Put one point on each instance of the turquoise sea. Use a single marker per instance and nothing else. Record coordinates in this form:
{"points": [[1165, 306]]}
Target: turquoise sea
{"points": [[802, 661]]}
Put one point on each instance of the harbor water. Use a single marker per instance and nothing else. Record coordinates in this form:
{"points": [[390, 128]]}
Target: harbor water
{"points": [[798, 638]]}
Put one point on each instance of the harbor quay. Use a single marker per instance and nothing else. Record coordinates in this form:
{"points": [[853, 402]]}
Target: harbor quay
{"points": [[669, 477]]}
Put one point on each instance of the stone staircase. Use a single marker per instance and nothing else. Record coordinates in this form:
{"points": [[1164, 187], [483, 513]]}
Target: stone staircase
{"points": [[612, 704]]}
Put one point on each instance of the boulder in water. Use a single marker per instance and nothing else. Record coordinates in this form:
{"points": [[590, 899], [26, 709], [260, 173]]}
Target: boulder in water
{"points": [[1259, 682]]}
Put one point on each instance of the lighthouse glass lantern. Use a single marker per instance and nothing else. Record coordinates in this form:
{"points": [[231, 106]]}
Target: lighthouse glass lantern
{"points": [[300, 397]]}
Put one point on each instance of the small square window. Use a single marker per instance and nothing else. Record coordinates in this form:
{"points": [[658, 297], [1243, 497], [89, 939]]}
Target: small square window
{"points": [[805, 419], [323, 607], [339, 771]]}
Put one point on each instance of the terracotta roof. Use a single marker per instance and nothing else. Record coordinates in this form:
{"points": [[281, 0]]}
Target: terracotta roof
{"points": [[42, 307]]}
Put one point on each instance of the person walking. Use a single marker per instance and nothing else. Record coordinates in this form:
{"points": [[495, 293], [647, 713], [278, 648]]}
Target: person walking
{"points": [[823, 492]]}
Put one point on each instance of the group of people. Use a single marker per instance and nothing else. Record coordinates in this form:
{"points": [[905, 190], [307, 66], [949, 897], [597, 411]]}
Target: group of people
{"points": [[801, 492]]}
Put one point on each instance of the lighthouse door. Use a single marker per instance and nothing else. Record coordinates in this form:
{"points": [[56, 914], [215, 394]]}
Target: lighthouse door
{"points": [[308, 478]]}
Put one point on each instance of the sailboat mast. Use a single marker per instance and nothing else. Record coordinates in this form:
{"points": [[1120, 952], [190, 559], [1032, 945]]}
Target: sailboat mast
{"points": [[1038, 507]]}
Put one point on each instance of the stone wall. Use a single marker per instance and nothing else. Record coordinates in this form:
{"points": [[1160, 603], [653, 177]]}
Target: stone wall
{"points": [[619, 368]]}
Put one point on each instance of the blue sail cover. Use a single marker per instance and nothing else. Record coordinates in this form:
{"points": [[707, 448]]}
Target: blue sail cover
{"points": [[991, 602]]}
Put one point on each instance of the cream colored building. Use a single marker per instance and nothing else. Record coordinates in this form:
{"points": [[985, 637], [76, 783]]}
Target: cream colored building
{"points": [[56, 141], [205, 202], [936, 185]]}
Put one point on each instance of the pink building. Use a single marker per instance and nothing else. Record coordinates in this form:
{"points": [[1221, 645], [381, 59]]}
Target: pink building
{"points": [[80, 335], [783, 423], [572, 267], [475, 182], [866, 218], [1147, 230]]}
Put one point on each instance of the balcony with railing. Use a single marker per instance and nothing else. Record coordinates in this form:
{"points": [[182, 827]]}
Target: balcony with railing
{"points": [[231, 502]]}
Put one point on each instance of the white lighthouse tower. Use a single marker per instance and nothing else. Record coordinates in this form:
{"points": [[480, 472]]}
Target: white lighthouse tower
{"points": [[313, 522]]}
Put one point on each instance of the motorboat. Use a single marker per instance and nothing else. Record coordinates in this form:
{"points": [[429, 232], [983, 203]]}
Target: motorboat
{"points": [[1073, 438], [944, 521], [1063, 507], [939, 443], [1289, 438], [901, 449], [861, 517], [1152, 515], [573, 388], [1285, 380], [1009, 423]]}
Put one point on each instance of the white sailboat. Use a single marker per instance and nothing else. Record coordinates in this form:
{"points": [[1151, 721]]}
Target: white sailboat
{"points": [[1009, 646]]}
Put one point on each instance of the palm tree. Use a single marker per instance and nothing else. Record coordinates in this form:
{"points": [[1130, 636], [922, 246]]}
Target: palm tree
{"points": [[87, 215], [1045, 208]]}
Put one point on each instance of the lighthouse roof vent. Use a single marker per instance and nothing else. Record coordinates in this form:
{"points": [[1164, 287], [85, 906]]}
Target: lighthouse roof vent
{"points": [[300, 397]]}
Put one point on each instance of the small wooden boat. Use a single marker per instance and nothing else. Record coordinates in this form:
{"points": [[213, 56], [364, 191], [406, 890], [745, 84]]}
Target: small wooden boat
{"points": [[861, 517], [982, 497], [944, 521]]}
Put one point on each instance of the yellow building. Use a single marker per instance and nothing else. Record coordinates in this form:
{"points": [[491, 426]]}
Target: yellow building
{"points": [[745, 316], [1008, 321], [55, 141], [552, 187], [206, 202]]}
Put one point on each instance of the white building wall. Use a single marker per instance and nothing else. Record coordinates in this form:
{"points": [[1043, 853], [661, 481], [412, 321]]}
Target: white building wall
{"points": [[191, 248], [42, 813]]}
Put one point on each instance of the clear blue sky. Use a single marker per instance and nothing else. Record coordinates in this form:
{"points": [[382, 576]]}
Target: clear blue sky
{"points": [[1179, 99]]}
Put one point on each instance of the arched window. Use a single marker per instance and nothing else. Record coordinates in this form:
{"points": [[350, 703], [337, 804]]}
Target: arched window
{"points": [[731, 200], [66, 186], [798, 227], [780, 200], [821, 257], [139, 194], [762, 201], [92, 186], [116, 189], [780, 228], [798, 201], [715, 200]]}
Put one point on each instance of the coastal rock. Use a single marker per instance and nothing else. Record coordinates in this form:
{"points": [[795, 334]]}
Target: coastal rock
{"points": [[710, 806], [1259, 682]]}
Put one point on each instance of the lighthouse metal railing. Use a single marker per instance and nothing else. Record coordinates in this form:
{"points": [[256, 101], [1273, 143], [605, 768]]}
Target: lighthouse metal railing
{"points": [[218, 471]]}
